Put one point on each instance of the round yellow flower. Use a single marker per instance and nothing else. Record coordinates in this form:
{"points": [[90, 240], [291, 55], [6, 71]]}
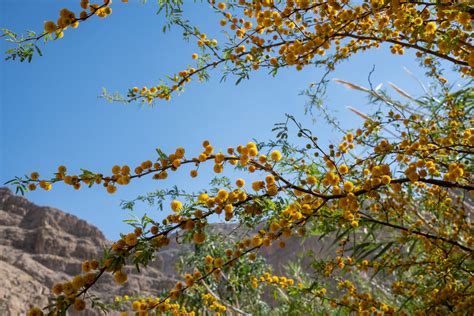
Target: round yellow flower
{"points": [[348, 186], [131, 239], [120, 277], [240, 182], [199, 237], [79, 304], [203, 197], [343, 169], [49, 27], [275, 155], [111, 188], [176, 205], [222, 194]]}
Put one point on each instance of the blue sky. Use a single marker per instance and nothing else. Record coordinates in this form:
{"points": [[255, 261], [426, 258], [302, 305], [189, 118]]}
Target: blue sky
{"points": [[51, 113]]}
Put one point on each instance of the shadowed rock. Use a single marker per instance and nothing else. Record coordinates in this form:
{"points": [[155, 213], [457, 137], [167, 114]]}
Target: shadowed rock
{"points": [[40, 246]]}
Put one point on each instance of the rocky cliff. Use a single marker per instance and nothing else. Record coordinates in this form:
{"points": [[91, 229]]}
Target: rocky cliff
{"points": [[40, 246]]}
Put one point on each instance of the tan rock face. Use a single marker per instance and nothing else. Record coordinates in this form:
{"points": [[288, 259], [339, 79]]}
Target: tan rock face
{"points": [[42, 245]]}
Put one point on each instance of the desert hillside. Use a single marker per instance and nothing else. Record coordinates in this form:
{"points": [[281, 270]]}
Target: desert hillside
{"points": [[43, 245]]}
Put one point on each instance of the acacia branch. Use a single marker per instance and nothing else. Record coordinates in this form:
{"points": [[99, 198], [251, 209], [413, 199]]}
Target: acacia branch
{"points": [[405, 44], [419, 233]]}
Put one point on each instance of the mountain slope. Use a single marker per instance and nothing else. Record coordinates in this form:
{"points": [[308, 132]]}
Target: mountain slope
{"points": [[42, 245]]}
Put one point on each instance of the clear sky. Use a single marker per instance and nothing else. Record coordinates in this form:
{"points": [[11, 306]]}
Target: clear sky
{"points": [[51, 114]]}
